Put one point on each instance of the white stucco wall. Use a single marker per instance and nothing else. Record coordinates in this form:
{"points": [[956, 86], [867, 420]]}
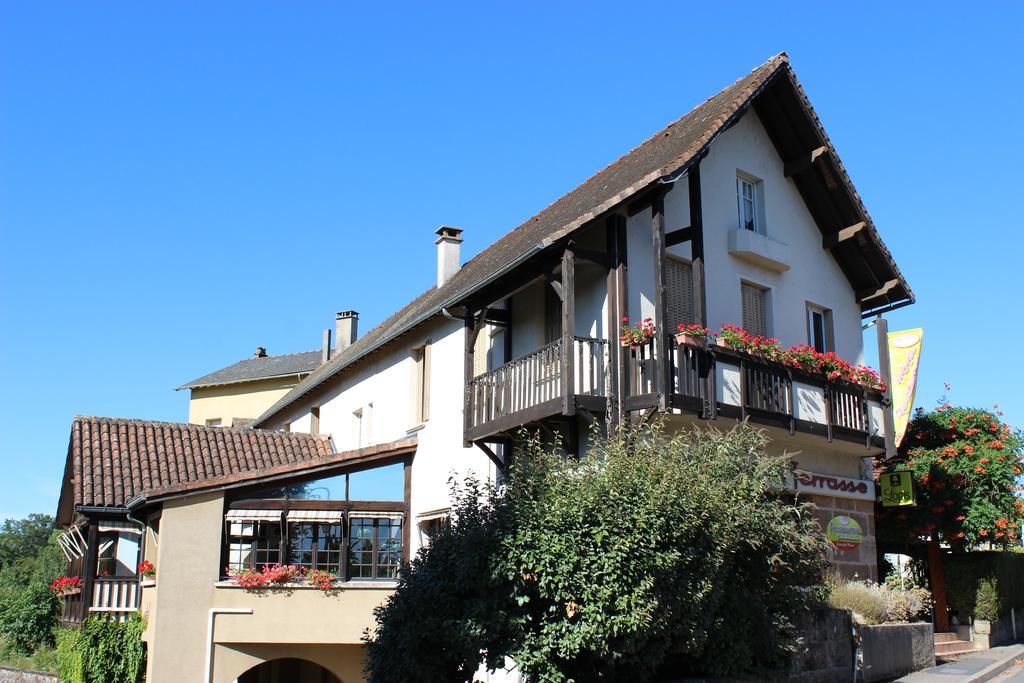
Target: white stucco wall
{"points": [[813, 275]]}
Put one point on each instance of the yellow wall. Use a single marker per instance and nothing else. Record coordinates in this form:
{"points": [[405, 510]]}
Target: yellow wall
{"points": [[299, 622], [245, 399]]}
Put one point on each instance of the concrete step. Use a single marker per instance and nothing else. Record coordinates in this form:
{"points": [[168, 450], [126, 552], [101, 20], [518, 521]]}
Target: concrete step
{"points": [[945, 637], [955, 647]]}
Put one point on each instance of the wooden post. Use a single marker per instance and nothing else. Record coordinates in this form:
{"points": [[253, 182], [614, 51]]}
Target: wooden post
{"points": [[621, 310], [937, 578], [89, 570], [467, 402], [663, 365], [568, 329], [407, 529], [885, 370], [613, 323], [700, 304]]}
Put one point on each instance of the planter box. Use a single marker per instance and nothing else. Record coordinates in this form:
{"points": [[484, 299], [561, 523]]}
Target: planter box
{"points": [[692, 341], [889, 651]]}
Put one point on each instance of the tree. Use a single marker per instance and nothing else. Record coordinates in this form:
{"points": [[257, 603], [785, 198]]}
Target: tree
{"points": [[29, 560], [27, 621], [650, 552], [965, 463]]}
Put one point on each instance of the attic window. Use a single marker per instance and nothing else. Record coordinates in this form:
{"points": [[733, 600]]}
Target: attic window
{"points": [[749, 202]]}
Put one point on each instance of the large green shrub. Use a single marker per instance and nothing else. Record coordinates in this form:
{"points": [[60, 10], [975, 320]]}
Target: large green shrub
{"points": [[28, 617], [966, 571], [102, 651], [651, 553], [986, 604]]}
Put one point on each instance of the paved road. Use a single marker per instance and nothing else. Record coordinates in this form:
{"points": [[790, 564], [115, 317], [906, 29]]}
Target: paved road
{"points": [[986, 665]]}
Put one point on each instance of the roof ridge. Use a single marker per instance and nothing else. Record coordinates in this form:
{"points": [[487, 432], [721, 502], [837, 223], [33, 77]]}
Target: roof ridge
{"points": [[189, 425]]}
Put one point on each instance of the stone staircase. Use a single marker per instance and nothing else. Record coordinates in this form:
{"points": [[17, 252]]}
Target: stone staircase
{"points": [[949, 646]]}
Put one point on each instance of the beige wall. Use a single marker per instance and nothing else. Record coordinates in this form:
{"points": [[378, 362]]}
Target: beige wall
{"points": [[300, 622], [245, 399]]}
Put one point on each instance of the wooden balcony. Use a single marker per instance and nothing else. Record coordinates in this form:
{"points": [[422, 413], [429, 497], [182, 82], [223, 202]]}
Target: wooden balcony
{"points": [[116, 597], [721, 382], [557, 379]]}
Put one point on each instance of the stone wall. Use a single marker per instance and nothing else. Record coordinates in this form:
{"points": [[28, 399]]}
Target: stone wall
{"points": [[889, 651], [861, 563], [826, 648], [8, 675]]}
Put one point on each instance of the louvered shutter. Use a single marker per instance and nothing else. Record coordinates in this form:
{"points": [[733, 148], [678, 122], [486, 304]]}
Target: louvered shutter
{"points": [[480, 351], [755, 316], [679, 290]]}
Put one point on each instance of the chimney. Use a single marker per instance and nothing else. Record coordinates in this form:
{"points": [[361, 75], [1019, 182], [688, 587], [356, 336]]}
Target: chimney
{"points": [[346, 325], [325, 350], [448, 262], [261, 352]]}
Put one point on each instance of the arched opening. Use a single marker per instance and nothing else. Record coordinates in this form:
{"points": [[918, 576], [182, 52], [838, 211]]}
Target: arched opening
{"points": [[288, 670]]}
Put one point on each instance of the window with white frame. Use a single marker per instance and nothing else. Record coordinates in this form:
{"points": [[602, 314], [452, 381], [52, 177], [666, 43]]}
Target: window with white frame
{"points": [[819, 329], [748, 203], [357, 427], [754, 302]]}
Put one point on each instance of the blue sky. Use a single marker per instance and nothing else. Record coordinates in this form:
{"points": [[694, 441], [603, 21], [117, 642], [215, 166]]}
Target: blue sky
{"points": [[180, 183]]}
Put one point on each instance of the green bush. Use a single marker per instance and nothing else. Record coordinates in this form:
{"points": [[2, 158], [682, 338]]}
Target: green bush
{"points": [[986, 604], [28, 617], [879, 604], [649, 552], [965, 573], [102, 651]]}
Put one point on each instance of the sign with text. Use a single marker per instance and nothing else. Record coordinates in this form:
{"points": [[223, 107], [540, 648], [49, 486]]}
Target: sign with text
{"points": [[897, 489], [904, 357], [844, 533], [831, 485]]}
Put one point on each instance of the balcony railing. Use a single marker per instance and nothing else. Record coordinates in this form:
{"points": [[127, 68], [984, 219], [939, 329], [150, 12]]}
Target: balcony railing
{"points": [[117, 597], [719, 380], [534, 387]]}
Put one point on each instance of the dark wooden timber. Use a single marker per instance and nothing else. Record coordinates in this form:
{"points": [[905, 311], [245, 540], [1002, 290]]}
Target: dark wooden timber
{"points": [[700, 306], [663, 377], [804, 161], [613, 322], [678, 236], [568, 328], [89, 569], [407, 525], [489, 452], [598, 258], [840, 236], [621, 308]]}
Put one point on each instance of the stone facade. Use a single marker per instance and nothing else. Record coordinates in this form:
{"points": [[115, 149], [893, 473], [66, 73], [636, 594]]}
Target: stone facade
{"points": [[862, 562]]}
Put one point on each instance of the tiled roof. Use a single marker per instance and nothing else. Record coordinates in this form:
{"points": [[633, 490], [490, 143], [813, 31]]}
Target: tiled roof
{"points": [[666, 154], [112, 460], [251, 369]]}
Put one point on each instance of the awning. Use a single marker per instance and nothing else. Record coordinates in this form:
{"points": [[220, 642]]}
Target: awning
{"points": [[376, 515], [253, 515], [322, 516], [117, 525], [443, 513]]}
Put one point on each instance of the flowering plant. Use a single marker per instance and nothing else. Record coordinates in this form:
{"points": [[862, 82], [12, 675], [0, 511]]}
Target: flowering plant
{"points": [[63, 585], [147, 569], [638, 335], [324, 580], [280, 573], [695, 331], [250, 579]]}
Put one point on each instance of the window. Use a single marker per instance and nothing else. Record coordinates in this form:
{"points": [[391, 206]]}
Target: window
{"points": [[819, 329], [679, 290], [215, 422], [748, 203], [421, 384], [254, 538], [117, 552], [315, 546], [314, 420], [375, 548], [357, 427], [754, 302]]}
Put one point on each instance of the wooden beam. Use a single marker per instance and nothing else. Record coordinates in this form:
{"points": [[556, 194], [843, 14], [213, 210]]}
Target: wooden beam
{"points": [[802, 163], [555, 284], [568, 328], [598, 258], [613, 322], [498, 462], [700, 303], [406, 527], [678, 236], [829, 241], [663, 367], [868, 294], [621, 311]]}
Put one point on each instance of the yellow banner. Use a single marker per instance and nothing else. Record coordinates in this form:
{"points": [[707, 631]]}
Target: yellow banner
{"points": [[904, 357]]}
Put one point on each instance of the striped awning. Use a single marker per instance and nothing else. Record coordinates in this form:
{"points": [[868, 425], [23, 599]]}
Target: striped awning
{"points": [[376, 515], [443, 513], [253, 515], [322, 516], [117, 525]]}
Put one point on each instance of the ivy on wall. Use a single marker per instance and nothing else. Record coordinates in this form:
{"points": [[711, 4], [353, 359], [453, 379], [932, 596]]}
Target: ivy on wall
{"points": [[102, 651]]}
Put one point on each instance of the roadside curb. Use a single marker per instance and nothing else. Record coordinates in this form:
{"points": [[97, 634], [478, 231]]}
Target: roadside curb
{"points": [[998, 667]]}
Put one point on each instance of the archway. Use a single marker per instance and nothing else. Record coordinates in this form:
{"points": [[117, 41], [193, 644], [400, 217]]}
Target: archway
{"points": [[288, 670]]}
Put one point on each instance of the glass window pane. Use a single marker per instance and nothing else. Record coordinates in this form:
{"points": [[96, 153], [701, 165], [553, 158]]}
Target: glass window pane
{"points": [[379, 483], [328, 488]]}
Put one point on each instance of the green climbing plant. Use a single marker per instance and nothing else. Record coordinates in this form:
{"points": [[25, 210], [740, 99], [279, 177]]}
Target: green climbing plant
{"points": [[102, 651]]}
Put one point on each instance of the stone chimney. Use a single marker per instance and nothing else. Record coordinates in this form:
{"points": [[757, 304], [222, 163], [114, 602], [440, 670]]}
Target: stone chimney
{"points": [[448, 260], [261, 352], [346, 326]]}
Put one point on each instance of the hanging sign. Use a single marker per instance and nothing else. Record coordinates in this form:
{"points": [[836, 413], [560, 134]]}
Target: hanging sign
{"points": [[831, 485], [897, 489], [844, 533], [904, 357]]}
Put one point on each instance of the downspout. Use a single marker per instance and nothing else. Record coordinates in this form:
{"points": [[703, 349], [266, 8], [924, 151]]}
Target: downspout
{"points": [[214, 611]]}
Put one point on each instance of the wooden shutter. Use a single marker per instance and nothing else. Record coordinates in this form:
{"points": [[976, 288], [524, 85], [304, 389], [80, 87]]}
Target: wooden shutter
{"points": [[480, 351], [679, 300], [755, 316], [421, 384]]}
